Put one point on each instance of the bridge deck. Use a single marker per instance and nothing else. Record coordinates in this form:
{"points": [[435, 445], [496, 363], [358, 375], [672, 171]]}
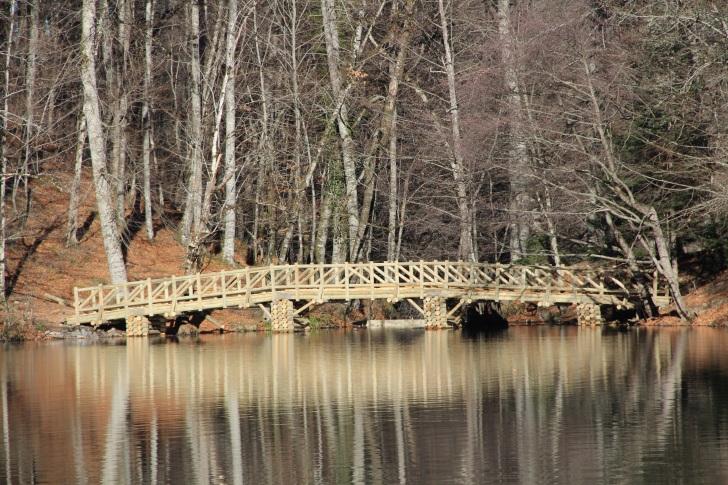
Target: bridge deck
{"points": [[323, 282]]}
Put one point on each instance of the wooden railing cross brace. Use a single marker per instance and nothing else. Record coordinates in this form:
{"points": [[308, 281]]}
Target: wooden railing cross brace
{"points": [[465, 281]]}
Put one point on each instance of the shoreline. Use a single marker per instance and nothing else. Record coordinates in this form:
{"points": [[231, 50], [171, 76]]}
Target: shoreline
{"points": [[60, 332]]}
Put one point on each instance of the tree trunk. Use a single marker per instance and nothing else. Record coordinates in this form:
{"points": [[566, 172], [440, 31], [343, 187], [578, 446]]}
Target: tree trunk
{"points": [[121, 106], [228, 245], [338, 233], [97, 145], [323, 230], [665, 264], [193, 204], [147, 119], [519, 163], [5, 95], [201, 231], [546, 211], [393, 180], [389, 127], [348, 155], [30, 98], [466, 249], [72, 226]]}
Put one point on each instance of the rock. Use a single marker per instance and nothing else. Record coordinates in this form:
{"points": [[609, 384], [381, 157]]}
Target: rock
{"points": [[187, 330], [55, 334], [208, 327], [82, 332], [550, 314], [115, 332]]}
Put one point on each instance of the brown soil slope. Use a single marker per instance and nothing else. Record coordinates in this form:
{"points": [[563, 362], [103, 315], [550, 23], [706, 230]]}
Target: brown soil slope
{"points": [[41, 267]]}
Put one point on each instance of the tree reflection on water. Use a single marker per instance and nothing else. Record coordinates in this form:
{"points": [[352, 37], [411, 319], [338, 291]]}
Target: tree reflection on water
{"points": [[529, 405]]}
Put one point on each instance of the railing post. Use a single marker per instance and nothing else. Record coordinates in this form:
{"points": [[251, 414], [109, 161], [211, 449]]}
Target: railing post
{"points": [[76, 301], [321, 282], [126, 298], [174, 294], [150, 303], [524, 278], [247, 286], [422, 279], [224, 289], [101, 302], [497, 281], [272, 282], [548, 288], [371, 280], [199, 289], [295, 279], [346, 279]]}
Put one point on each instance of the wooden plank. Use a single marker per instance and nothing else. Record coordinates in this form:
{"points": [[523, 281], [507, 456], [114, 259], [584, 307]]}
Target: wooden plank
{"points": [[304, 308], [422, 279], [415, 306], [101, 303], [149, 296], [346, 280], [224, 289], [199, 285], [247, 286], [174, 294], [371, 280], [76, 306], [378, 274], [465, 280]]}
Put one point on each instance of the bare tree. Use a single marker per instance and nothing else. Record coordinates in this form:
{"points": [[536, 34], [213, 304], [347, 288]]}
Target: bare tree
{"points": [[193, 203], [466, 248], [5, 95], [348, 151], [97, 144], [75, 195], [519, 158], [228, 247], [147, 118]]}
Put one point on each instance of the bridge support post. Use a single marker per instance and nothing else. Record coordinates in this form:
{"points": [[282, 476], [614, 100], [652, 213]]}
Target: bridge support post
{"points": [[281, 315], [435, 312], [589, 314], [137, 326]]}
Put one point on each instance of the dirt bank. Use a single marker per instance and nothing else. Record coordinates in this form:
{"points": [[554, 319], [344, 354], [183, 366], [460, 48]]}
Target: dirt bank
{"points": [[42, 270]]}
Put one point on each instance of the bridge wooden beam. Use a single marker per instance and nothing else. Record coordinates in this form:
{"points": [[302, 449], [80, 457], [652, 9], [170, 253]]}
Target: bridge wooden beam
{"points": [[415, 306], [322, 282]]}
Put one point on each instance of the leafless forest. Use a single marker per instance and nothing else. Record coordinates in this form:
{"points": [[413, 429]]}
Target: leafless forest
{"points": [[542, 131]]}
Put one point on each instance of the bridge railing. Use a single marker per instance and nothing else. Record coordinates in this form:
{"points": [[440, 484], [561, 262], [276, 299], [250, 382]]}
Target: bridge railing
{"points": [[341, 281]]}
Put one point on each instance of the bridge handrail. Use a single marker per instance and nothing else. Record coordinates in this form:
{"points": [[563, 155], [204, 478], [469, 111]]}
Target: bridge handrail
{"points": [[278, 279]]}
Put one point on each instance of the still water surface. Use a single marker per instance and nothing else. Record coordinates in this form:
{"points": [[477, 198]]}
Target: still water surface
{"points": [[527, 405]]}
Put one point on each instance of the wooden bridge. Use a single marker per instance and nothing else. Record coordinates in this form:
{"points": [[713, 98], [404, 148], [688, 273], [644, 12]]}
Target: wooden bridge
{"points": [[433, 283]]}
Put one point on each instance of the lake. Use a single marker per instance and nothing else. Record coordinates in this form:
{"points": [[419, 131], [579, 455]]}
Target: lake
{"points": [[523, 405]]}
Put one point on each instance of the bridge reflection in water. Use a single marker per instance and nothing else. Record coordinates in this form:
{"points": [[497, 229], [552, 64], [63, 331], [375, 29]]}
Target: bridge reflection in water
{"points": [[526, 405]]}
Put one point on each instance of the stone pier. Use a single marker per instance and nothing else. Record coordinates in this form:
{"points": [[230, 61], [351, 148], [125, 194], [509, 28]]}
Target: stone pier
{"points": [[281, 315], [435, 312], [137, 326], [589, 314]]}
